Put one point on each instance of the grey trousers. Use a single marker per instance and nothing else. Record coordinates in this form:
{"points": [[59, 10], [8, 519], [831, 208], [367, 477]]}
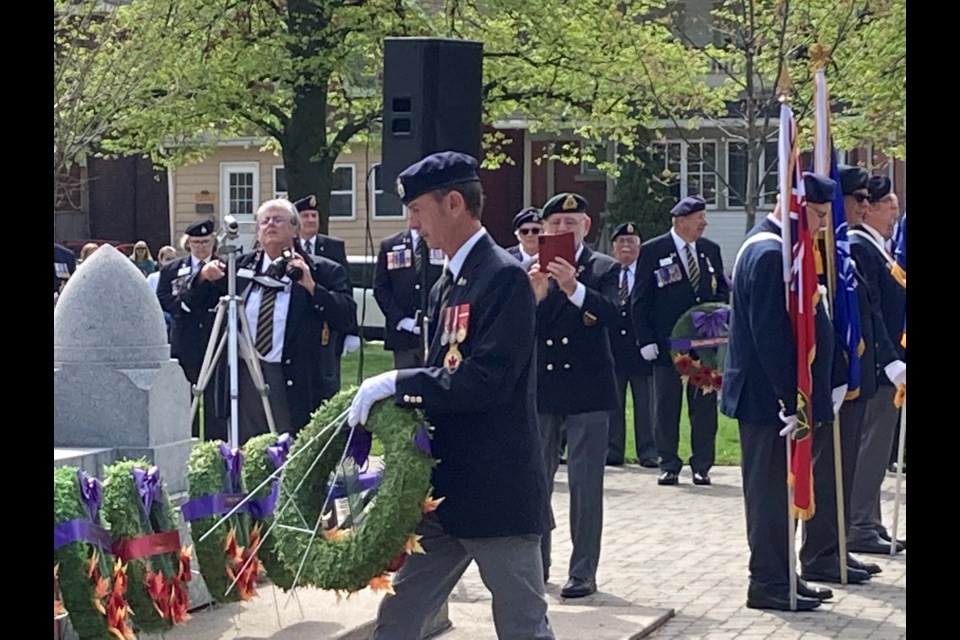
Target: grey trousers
{"points": [[252, 421], [509, 567], [586, 458], [879, 425]]}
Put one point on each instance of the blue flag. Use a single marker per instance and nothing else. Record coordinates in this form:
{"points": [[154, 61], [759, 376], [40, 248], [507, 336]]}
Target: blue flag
{"points": [[900, 253], [846, 314]]}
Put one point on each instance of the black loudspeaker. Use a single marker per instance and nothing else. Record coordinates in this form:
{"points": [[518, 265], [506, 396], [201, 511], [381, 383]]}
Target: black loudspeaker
{"points": [[431, 101]]}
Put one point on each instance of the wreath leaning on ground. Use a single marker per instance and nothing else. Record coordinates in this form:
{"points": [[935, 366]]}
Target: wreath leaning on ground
{"points": [[351, 559], [698, 345], [93, 585], [262, 456], [145, 535]]}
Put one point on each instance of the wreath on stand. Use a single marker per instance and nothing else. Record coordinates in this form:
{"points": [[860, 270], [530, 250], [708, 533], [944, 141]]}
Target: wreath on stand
{"points": [[225, 550], [263, 455], [146, 537], [382, 535], [92, 583], [698, 345]]}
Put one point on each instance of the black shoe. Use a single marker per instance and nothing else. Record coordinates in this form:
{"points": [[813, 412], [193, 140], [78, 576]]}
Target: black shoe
{"points": [[563, 461], [649, 464], [832, 576], [668, 477], [577, 588], [760, 599], [546, 576], [614, 463], [875, 544], [869, 567], [701, 478], [813, 591], [901, 544]]}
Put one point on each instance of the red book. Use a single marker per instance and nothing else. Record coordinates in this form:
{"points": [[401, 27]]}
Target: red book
{"points": [[556, 246]]}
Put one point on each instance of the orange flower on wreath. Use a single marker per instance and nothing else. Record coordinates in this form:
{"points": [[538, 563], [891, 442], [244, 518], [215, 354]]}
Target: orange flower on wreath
{"points": [[685, 365]]}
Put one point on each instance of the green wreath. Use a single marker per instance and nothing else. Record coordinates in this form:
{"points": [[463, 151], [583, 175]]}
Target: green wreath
{"points": [[215, 485], [144, 528], [698, 345], [92, 584], [351, 559], [261, 455]]}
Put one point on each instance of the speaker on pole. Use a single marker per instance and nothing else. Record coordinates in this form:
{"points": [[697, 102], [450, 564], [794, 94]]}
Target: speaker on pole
{"points": [[431, 101]]}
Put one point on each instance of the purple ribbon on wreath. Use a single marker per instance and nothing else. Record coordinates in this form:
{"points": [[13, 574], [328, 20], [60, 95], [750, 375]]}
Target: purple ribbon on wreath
{"points": [[148, 486], [422, 439], [360, 442], [84, 530], [89, 494], [232, 460], [711, 324], [278, 452]]}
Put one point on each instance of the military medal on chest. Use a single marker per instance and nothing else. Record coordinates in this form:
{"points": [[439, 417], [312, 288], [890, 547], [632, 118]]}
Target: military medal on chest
{"points": [[713, 274], [456, 321]]}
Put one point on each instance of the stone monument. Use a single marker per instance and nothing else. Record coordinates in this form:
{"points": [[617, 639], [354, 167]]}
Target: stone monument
{"points": [[116, 391]]}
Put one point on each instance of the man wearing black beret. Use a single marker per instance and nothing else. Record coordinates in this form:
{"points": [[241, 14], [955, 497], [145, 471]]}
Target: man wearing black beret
{"points": [[678, 270], [527, 227]]}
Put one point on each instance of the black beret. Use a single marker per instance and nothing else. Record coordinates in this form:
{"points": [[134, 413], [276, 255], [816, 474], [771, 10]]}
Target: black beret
{"points": [[530, 214], [306, 204], [690, 204], [852, 178], [200, 228], [565, 203], [436, 171], [625, 229], [878, 187], [819, 190]]}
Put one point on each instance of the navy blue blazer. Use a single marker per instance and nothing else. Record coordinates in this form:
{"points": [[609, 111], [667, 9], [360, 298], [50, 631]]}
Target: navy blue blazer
{"points": [[486, 436]]}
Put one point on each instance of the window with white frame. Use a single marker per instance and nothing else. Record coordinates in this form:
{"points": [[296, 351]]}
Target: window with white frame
{"points": [[239, 188], [279, 182], [591, 168], [386, 204], [343, 194], [737, 174], [689, 168]]}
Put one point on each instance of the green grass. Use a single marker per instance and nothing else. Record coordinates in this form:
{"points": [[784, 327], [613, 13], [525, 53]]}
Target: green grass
{"points": [[377, 360]]}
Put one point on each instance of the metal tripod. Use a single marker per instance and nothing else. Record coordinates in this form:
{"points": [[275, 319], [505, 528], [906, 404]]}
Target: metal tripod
{"points": [[232, 305]]}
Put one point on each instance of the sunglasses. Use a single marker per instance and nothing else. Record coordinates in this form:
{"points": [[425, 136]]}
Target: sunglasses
{"points": [[535, 231], [860, 197]]}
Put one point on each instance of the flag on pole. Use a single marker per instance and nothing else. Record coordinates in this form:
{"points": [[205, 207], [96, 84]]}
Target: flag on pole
{"points": [[846, 310], [800, 277]]}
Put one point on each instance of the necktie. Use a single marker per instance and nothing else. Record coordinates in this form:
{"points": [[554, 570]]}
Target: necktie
{"points": [[446, 286], [310, 247], [692, 269], [624, 287], [418, 254], [264, 342]]}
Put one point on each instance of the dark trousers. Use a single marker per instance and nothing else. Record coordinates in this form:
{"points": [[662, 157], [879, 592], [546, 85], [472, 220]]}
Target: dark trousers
{"points": [[640, 388], [763, 462], [820, 551], [252, 420], [702, 410], [408, 359], [214, 427], [852, 414], [875, 441]]}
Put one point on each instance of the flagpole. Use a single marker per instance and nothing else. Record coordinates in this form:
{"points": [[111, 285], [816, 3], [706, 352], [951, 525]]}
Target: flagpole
{"points": [[822, 157], [786, 175], [900, 452]]}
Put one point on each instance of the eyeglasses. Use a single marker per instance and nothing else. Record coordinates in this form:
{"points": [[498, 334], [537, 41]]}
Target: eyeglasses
{"points": [[277, 220], [861, 197], [534, 230]]}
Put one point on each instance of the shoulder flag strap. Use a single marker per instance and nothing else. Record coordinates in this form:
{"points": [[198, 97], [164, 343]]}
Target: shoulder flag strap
{"points": [[896, 271]]}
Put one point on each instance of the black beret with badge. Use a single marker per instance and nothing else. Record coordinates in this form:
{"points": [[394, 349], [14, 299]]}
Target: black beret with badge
{"points": [[306, 204], [879, 187], [852, 178], [819, 190], [565, 203], [688, 206], [200, 228], [530, 214], [436, 171], [625, 229]]}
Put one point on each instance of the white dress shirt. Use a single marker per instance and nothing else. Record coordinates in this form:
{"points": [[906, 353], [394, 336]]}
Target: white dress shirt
{"points": [[281, 307], [456, 262]]}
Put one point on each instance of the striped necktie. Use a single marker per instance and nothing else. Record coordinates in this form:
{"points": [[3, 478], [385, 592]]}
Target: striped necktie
{"points": [[264, 343], [692, 269], [418, 254], [624, 286], [446, 286]]}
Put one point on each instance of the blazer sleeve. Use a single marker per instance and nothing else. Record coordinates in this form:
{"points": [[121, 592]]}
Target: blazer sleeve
{"points": [[334, 299], [602, 301], [505, 333], [165, 289], [642, 300]]}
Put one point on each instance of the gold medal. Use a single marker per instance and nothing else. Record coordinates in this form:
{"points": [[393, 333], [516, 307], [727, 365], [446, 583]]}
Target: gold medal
{"points": [[325, 335], [451, 361], [445, 333], [463, 320]]}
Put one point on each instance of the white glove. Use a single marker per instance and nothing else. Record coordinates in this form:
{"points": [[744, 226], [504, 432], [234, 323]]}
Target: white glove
{"points": [[650, 352], [839, 394], [408, 324], [350, 344], [791, 422], [372, 390], [896, 372]]}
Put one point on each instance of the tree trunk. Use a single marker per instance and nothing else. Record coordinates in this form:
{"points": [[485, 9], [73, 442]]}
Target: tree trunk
{"points": [[307, 158]]}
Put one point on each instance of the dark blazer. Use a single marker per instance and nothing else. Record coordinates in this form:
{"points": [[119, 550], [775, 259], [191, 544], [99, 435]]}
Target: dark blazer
{"points": [[190, 324], [491, 466], [515, 252], [64, 265], [887, 298], [398, 291], [623, 341], [330, 303], [878, 350], [574, 360], [656, 309]]}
